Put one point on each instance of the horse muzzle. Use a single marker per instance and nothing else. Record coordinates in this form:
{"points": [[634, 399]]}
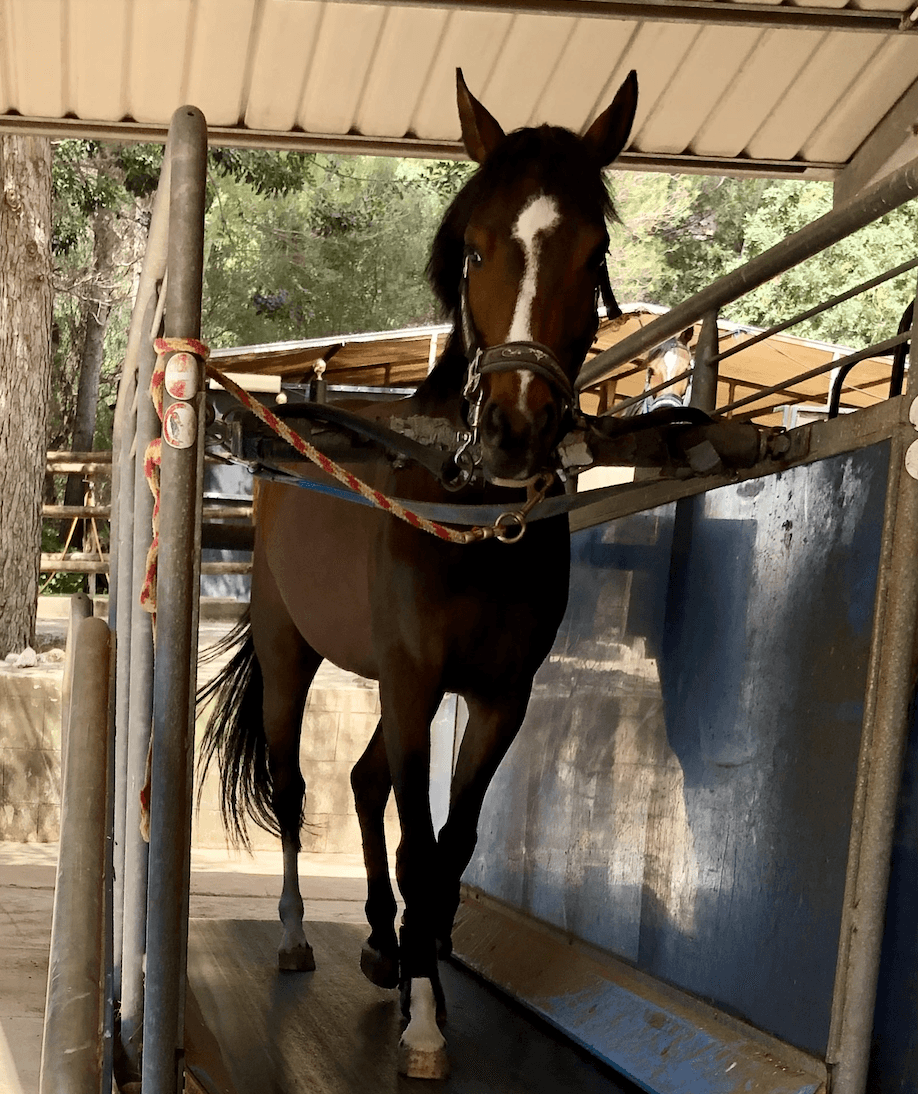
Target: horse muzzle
{"points": [[519, 396]]}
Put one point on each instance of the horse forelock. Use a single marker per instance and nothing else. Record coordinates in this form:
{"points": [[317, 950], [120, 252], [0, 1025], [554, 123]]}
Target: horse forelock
{"points": [[558, 164]]}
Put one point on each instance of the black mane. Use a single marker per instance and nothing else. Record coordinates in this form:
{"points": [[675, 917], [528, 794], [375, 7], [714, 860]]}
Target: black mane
{"points": [[557, 157]]}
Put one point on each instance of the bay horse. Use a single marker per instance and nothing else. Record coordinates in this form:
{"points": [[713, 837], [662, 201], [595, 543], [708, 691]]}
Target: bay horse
{"points": [[519, 264]]}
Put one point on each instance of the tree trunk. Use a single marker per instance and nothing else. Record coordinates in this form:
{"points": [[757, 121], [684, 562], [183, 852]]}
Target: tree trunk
{"points": [[25, 376], [98, 311]]}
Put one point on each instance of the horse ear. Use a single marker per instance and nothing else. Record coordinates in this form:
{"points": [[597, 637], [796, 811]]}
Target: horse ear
{"points": [[608, 135], [687, 335], [481, 132]]}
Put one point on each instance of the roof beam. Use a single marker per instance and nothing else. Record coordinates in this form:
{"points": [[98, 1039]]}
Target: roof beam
{"points": [[714, 12], [355, 144]]}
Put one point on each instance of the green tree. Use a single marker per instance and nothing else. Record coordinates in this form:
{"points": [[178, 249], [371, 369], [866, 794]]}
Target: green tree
{"points": [[718, 224], [345, 253]]}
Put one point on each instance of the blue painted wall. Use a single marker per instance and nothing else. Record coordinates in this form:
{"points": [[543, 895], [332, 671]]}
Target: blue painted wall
{"points": [[680, 793]]}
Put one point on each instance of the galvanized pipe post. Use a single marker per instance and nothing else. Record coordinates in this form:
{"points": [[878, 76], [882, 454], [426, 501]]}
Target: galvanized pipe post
{"points": [[139, 723], [140, 360], [181, 477], [704, 376], [890, 693], [119, 614], [73, 1060]]}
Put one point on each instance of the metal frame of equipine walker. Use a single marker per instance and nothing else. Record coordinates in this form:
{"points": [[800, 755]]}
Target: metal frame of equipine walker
{"points": [[133, 897]]}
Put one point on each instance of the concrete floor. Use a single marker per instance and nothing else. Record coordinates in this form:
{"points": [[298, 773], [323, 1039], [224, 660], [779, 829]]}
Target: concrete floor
{"points": [[224, 886]]}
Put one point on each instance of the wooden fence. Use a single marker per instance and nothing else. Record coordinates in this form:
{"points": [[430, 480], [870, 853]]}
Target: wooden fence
{"points": [[89, 555]]}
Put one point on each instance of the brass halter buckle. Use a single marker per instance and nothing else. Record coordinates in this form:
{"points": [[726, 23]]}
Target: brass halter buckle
{"points": [[510, 527]]}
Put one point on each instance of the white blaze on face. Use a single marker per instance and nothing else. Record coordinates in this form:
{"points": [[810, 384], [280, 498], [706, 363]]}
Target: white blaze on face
{"points": [[534, 221]]}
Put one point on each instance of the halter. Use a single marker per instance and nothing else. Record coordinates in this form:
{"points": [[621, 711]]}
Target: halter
{"points": [[531, 357]]}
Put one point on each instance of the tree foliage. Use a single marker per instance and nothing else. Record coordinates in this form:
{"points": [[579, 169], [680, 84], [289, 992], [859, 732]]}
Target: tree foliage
{"points": [[729, 221], [344, 253]]}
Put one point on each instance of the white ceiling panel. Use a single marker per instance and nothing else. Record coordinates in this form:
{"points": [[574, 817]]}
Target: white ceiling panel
{"points": [[887, 74], [96, 65], [341, 61], [396, 80], [159, 43], [36, 34], [283, 52], [762, 81], [472, 41], [223, 31], [528, 58], [588, 74], [823, 84], [768, 87], [697, 87]]}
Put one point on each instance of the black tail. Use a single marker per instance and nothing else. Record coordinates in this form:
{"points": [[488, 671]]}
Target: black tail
{"points": [[235, 735]]}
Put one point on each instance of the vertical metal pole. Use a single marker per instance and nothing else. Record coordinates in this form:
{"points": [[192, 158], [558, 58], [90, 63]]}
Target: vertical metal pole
{"points": [[887, 715], [136, 637], [177, 594], [119, 614], [704, 378], [72, 1056], [139, 722]]}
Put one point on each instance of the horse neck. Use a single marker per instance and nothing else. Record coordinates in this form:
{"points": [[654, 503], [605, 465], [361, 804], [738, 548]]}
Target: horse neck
{"points": [[440, 394]]}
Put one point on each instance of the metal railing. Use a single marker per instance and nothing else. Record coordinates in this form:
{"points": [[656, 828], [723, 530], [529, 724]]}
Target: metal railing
{"points": [[881, 198]]}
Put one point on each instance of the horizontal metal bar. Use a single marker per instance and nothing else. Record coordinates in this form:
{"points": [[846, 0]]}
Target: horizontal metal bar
{"points": [[76, 512], [223, 511], [887, 194], [648, 392], [79, 467], [56, 456], [406, 146], [827, 366], [865, 286], [679, 11], [51, 565]]}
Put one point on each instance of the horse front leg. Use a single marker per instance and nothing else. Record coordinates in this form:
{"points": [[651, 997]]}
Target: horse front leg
{"points": [[409, 704], [493, 724], [371, 783]]}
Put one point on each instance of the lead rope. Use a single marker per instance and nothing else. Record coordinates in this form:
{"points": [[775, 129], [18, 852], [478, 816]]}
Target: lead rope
{"points": [[508, 528]]}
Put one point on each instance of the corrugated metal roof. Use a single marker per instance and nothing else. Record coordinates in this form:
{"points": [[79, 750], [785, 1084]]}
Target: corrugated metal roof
{"points": [[767, 86], [403, 358]]}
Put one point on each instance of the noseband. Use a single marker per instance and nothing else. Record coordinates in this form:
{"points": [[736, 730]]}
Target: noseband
{"points": [[531, 357]]}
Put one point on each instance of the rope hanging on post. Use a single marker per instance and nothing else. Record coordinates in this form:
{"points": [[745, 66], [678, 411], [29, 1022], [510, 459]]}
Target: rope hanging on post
{"points": [[152, 460]]}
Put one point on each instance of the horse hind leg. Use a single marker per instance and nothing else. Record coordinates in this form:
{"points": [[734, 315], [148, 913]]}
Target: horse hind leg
{"points": [[371, 783]]}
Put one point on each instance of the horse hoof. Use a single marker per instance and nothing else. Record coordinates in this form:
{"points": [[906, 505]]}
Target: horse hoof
{"points": [[418, 1063], [297, 959], [378, 968]]}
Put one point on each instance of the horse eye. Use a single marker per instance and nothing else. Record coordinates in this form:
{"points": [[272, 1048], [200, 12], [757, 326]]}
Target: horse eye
{"points": [[597, 258], [473, 256]]}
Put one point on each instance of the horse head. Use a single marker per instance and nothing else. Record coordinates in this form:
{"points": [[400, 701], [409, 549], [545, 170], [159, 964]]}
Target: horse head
{"points": [[519, 261], [664, 364]]}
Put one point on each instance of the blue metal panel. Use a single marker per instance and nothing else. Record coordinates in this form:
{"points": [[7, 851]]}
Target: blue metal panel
{"points": [[681, 792]]}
